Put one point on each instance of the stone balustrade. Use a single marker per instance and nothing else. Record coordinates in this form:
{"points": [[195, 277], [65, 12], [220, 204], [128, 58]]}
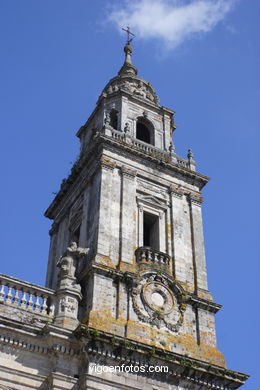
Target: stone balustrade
{"points": [[148, 256], [118, 135], [149, 149], [26, 296], [184, 163]]}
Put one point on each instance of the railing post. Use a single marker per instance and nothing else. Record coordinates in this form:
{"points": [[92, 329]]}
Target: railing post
{"points": [[9, 294], [16, 296], [30, 301], [37, 302], [44, 304], [2, 292], [23, 300]]}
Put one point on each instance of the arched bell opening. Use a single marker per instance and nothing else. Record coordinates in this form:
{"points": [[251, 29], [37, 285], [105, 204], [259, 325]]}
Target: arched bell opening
{"points": [[145, 131], [114, 118]]}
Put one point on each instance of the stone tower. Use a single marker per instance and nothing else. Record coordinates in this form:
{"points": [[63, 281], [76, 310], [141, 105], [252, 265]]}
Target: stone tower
{"points": [[126, 280]]}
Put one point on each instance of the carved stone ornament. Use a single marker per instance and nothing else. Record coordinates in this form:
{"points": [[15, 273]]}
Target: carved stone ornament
{"points": [[159, 301], [151, 188], [176, 190], [128, 172], [68, 264], [136, 87], [127, 128], [195, 198]]}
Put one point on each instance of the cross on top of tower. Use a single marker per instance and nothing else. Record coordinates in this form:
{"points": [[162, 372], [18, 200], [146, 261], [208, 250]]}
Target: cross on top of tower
{"points": [[130, 35]]}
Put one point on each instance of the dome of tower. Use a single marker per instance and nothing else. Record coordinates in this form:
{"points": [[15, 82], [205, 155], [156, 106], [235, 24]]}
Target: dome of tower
{"points": [[128, 81]]}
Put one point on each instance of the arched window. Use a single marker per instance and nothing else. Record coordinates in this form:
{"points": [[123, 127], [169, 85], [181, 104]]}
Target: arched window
{"points": [[144, 131], [113, 118]]}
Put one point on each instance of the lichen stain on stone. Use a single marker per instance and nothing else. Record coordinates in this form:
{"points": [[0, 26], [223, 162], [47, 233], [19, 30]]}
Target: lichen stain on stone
{"points": [[127, 267], [103, 320], [105, 260]]}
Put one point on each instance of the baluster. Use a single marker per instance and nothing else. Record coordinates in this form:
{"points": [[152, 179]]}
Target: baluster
{"points": [[143, 257], [2, 292], [149, 255], [44, 304], [16, 296], [30, 301], [159, 259], [51, 310], [9, 294], [37, 302], [23, 300]]}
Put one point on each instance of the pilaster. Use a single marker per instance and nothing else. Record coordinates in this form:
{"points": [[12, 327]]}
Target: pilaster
{"points": [[128, 215], [181, 242], [200, 273], [104, 228]]}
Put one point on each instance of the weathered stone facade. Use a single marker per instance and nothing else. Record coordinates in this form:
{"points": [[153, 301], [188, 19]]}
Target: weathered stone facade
{"points": [[126, 280]]}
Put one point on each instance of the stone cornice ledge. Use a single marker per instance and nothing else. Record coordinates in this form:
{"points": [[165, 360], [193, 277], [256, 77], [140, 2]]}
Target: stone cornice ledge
{"points": [[129, 278], [205, 304], [126, 350], [164, 162], [81, 163]]}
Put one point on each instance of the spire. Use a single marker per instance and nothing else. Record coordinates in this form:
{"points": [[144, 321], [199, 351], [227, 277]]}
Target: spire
{"points": [[128, 69]]}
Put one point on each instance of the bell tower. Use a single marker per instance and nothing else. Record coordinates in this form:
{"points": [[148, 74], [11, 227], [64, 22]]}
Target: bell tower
{"points": [[136, 205], [126, 287], [127, 226]]}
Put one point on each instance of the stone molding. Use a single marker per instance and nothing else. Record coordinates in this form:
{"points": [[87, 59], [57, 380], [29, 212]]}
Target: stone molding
{"points": [[145, 186], [152, 201], [130, 277], [128, 172], [195, 198], [122, 350], [135, 87], [176, 190], [107, 164], [174, 301], [17, 343], [94, 150]]}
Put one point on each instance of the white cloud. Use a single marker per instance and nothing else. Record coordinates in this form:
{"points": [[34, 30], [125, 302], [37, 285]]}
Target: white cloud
{"points": [[172, 21]]}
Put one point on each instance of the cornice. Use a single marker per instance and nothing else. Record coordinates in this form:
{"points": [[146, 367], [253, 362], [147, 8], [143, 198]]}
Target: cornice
{"points": [[160, 162], [130, 278], [95, 153], [128, 351], [128, 172]]}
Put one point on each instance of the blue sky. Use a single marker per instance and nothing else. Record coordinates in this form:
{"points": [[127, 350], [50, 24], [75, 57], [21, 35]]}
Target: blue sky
{"points": [[56, 57]]}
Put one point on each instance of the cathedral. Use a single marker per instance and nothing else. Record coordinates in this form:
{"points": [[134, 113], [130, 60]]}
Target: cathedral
{"points": [[126, 304]]}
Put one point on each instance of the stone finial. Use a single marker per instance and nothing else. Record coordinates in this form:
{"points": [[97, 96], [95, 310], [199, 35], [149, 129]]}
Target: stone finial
{"points": [[128, 68], [127, 128], [190, 154], [192, 163], [107, 119], [171, 148]]}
